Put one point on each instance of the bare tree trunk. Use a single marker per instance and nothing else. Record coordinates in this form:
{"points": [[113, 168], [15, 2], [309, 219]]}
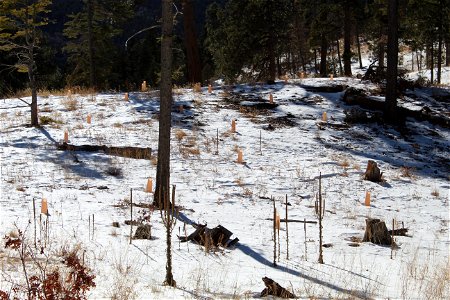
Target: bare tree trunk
{"points": [[91, 44], [347, 55], [447, 52], [162, 189], [34, 110], [339, 58], [432, 62], [358, 44], [323, 56], [315, 60], [392, 62], [194, 67]]}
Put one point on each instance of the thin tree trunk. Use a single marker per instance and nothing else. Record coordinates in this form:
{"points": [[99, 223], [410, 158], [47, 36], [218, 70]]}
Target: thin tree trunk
{"points": [[162, 189], [412, 61], [347, 55], [447, 52], [339, 58], [323, 56], [358, 44], [392, 62], [34, 110], [439, 61], [279, 66], [194, 67], [432, 62], [90, 14], [315, 61]]}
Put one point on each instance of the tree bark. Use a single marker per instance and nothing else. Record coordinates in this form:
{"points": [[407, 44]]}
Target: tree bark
{"points": [[323, 56], [90, 14], [347, 55], [447, 52], [34, 110], [359, 48], [392, 63], [194, 67], [341, 71], [162, 189]]}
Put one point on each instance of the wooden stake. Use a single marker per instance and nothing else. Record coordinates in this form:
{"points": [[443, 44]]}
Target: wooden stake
{"points": [[89, 118], [302, 75], [270, 98], [44, 207], [144, 86], [126, 97], [89, 227], [210, 89], [34, 217], [306, 249], [217, 142], [320, 220], [331, 77], [93, 226], [260, 142], [324, 116], [233, 125], [367, 200], [392, 237], [274, 234], [66, 136], [287, 229], [131, 215]]}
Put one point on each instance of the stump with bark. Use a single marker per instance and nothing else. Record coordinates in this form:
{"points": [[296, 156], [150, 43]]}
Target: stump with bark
{"points": [[215, 237], [373, 173], [274, 289], [377, 233]]}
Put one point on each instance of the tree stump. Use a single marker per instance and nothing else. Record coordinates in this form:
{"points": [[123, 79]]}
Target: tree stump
{"points": [[373, 172], [143, 232], [274, 289], [377, 233]]}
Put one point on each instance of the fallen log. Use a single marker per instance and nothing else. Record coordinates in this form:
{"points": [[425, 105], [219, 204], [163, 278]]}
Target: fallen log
{"points": [[353, 96], [399, 232], [129, 152], [294, 221], [274, 289], [333, 88]]}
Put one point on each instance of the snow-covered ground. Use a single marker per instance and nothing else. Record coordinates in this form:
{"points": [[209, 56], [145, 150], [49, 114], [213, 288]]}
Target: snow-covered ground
{"points": [[215, 189]]}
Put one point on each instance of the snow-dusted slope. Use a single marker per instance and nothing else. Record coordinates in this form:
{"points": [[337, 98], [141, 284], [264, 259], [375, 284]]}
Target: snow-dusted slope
{"points": [[214, 189]]}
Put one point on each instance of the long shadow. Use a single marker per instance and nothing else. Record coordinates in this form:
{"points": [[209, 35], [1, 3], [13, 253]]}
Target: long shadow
{"points": [[410, 146], [261, 259]]}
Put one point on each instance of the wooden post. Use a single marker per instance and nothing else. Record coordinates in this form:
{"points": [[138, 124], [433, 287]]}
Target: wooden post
{"points": [[260, 142], [126, 97], [34, 217], [331, 76], [392, 237], [210, 89], [274, 234], [89, 227], [306, 249], [89, 118], [270, 98], [233, 125], [287, 229], [324, 116], [144, 86], [320, 220], [131, 215], [217, 142], [278, 235], [93, 226]]}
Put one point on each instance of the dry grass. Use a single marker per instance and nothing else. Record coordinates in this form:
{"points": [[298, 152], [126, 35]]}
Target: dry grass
{"points": [[407, 172], [197, 87], [180, 134], [189, 151], [435, 193], [70, 103]]}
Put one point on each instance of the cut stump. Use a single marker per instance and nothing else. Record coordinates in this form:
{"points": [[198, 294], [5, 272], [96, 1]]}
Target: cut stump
{"points": [[274, 289], [217, 236], [373, 173], [377, 233]]}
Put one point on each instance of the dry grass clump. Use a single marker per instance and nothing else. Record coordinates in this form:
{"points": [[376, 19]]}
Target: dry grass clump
{"points": [[189, 151], [435, 193], [180, 134], [70, 103], [197, 87], [407, 172]]}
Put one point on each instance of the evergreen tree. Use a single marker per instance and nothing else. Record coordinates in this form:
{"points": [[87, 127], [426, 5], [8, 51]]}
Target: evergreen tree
{"points": [[247, 34], [20, 36], [91, 47]]}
